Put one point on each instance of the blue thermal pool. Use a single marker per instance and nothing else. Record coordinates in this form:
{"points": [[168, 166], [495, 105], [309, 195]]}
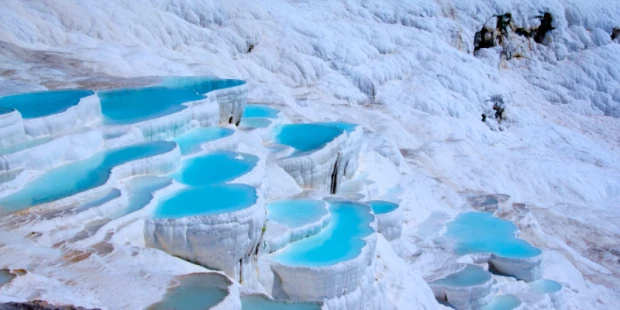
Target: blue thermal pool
{"points": [[306, 137], [216, 167], [79, 176], [480, 232], [544, 286], [348, 127], [191, 141], [382, 207], [99, 200], [256, 122], [195, 291], [296, 212], [206, 200], [39, 104], [259, 302], [141, 193], [471, 275], [503, 302], [20, 146], [132, 105], [6, 110], [6, 276], [340, 241], [259, 110]]}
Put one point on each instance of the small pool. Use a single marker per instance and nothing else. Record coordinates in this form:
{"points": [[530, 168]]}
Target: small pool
{"points": [[503, 302], [191, 141], [470, 276], [382, 207], [255, 122], [132, 105], [79, 176], [544, 286], [206, 200], [296, 212], [259, 110], [348, 127], [340, 241], [306, 137], [20, 146], [141, 193], [259, 302], [99, 200], [6, 276], [216, 167], [480, 232], [45, 103], [195, 291]]}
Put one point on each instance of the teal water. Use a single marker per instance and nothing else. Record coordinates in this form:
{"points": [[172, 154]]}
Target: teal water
{"points": [[340, 241], [39, 104], [216, 167], [296, 212], [348, 127], [259, 302], [20, 146], [99, 200], [194, 292], [255, 122], [259, 110], [470, 276], [79, 176], [190, 142], [382, 207], [306, 137], [544, 286], [132, 105], [206, 200], [141, 193], [503, 302], [480, 232], [6, 276], [6, 110]]}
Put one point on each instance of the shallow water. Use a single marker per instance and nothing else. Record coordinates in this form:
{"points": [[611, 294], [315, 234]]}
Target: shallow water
{"points": [[259, 302], [194, 292], [20, 146], [79, 176], [306, 137], [340, 241], [141, 193], [296, 212], [470, 276], [99, 200], [206, 200], [6, 276], [255, 122], [503, 302], [259, 110], [191, 141], [45, 103], [216, 167], [348, 127], [480, 232], [382, 207], [544, 286]]}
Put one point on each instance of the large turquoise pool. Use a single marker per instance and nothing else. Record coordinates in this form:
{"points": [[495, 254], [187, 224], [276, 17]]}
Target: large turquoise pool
{"points": [[216, 167], [259, 302], [306, 137], [340, 241], [469, 276], [195, 291], [191, 141], [480, 232], [39, 104], [296, 212], [79, 176]]}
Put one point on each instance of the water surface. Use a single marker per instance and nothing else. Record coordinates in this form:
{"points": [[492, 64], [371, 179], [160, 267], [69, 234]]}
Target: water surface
{"points": [[45, 103]]}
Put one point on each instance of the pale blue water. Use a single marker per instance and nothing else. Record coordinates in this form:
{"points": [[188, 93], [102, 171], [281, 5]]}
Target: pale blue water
{"points": [[470, 276], [141, 193], [544, 286], [255, 122], [480, 232], [190, 142], [382, 207], [259, 302], [296, 212], [39, 104], [348, 127], [195, 292], [99, 200], [306, 137], [20, 146], [132, 105], [5, 276], [259, 110], [206, 200], [340, 241], [503, 302], [75, 177], [216, 167]]}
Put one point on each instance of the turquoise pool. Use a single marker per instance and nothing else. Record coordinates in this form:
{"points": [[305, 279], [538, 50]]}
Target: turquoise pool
{"points": [[141, 193], [99, 200], [503, 302], [470, 276], [259, 110], [382, 207], [195, 291], [306, 137], [480, 232], [6, 110], [259, 302], [79, 176], [544, 286], [191, 141], [340, 241], [296, 212], [216, 167], [45, 103], [206, 200]]}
